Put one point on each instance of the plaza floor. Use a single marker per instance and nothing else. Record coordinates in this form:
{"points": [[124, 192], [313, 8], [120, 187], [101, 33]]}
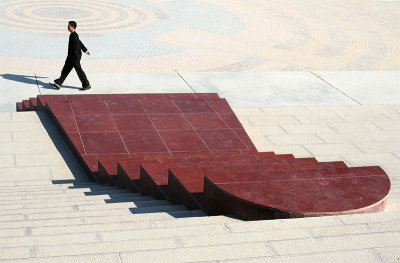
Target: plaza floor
{"points": [[309, 78]]}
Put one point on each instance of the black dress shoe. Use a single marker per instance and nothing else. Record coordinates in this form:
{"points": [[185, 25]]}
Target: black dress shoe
{"points": [[55, 85], [85, 88]]}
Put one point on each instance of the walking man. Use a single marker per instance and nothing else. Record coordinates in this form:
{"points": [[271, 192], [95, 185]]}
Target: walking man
{"points": [[75, 47]]}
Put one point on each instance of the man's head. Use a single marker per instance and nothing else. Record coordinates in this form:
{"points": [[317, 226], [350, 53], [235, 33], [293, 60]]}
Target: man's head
{"points": [[71, 26]]}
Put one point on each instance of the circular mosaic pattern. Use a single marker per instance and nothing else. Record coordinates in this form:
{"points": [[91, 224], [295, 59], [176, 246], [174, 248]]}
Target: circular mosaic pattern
{"points": [[93, 17]]}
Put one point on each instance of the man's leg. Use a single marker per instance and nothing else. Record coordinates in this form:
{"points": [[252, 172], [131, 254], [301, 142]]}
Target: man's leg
{"points": [[64, 72], [81, 75]]}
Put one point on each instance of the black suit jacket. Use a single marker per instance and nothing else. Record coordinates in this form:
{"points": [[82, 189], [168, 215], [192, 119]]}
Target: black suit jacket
{"points": [[75, 47]]}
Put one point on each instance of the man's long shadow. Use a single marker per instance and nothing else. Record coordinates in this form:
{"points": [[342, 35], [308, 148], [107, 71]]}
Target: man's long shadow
{"points": [[34, 80]]}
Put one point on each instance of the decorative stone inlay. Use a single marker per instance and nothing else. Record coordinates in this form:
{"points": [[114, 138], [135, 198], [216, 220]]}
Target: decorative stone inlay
{"points": [[52, 16]]}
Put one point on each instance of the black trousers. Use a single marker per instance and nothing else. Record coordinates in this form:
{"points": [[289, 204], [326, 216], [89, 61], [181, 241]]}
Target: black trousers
{"points": [[76, 64]]}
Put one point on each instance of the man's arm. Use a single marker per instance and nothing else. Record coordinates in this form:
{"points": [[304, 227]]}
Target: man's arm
{"points": [[84, 49]]}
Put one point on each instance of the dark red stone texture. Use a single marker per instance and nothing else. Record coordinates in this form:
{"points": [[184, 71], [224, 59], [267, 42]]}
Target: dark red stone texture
{"points": [[191, 149]]}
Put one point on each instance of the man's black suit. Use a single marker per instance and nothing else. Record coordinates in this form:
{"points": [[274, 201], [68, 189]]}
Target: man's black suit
{"points": [[75, 48]]}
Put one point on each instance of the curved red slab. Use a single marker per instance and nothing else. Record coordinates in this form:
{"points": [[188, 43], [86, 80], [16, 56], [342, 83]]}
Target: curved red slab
{"points": [[265, 199]]}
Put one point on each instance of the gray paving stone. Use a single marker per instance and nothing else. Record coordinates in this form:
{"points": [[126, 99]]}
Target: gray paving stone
{"points": [[194, 221], [6, 137], [38, 159], [12, 253], [370, 218], [36, 135], [358, 137], [163, 232], [5, 116], [355, 256], [21, 148], [389, 254], [243, 237], [24, 173], [87, 228], [24, 211], [43, 240], [221, 252], [105, 247], [248, 89], [353, 83], [92, 219], [328, 149], [44, 216], [21, 126], [378, 147], [337, 243], [291, 139], [12, 232], [284, 224], [19, 222], [306, 129], [7, 161], [100, 258]]}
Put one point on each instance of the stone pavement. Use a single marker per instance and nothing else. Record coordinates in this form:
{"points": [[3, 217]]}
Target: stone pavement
{"points": [[277, 64], [203, 35]]}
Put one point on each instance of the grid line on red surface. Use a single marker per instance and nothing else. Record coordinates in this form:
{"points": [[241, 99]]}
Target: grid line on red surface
{"points": [[196, 132], [77, 127], [227, 124], [171, 123], [126, 148], [158, 132]]}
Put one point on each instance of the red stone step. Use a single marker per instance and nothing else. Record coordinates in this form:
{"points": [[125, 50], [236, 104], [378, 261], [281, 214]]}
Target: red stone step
{"points": [[154, 179], [25, 105], [333, 165], [107, 169], [265, 164], [302, 198], [33, 104], [128, 173], [129, 167], [128, 170], [107, 166], [185, 186], [19, 106], [42, 99], [353, 191]]}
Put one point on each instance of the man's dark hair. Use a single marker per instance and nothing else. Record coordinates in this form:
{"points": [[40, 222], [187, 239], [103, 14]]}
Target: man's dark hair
{"points": [[72, 23]]}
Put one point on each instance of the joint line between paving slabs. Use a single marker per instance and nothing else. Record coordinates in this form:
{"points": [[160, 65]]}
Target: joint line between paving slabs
{"points": [[335, 88], [158, 132], [115, 125], [37, 84], [185, 81]]}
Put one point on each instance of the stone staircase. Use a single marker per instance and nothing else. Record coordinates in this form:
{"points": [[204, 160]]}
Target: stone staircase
{"points": [[60, 216], [145, 141], [46, 222]]}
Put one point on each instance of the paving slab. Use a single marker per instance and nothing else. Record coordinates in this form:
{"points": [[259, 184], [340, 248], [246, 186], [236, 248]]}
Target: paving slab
{"points": [[16, 87], [356, 256], [118, 82], [267, 89], [365, 87]]}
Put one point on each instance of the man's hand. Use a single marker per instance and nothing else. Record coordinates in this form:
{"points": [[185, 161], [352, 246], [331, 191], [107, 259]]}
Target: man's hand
{"points": [[88, 52]]}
